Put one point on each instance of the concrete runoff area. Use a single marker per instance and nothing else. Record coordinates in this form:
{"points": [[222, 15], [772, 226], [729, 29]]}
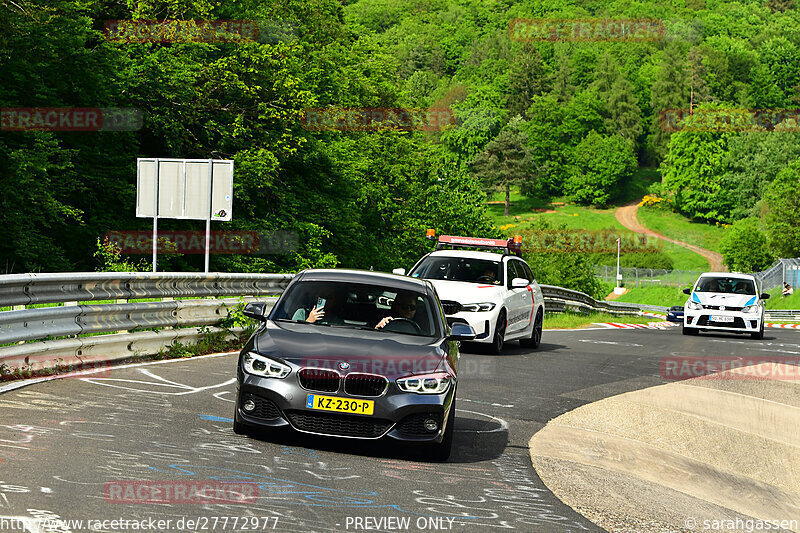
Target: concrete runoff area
{"points": [[678, 457]]}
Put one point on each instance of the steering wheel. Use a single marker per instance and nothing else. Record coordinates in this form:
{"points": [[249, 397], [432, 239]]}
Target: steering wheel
{"points": [[487, 279], [400, 321]]}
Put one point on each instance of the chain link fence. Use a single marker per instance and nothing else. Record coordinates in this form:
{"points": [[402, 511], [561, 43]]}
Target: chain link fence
{"points": [[783, 271], [648, 277]]}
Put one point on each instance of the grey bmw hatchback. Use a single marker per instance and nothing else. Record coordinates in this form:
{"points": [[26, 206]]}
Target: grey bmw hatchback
{"points": [[352, 354]]}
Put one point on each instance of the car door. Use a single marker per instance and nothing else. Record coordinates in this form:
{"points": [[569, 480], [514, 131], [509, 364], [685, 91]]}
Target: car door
{"points": [[518, 300], [535, 293]]}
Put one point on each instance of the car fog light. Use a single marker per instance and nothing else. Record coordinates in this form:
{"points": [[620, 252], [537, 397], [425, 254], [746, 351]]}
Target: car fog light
{"points": [[431, 425], [249, 405]]}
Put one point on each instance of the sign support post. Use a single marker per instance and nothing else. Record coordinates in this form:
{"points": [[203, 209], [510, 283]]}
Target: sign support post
{"points": [[155, 217], [208, 213], [184, 189]]}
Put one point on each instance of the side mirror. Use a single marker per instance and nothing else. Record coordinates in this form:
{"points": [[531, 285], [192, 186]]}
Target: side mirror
{"points": [[399, 271], [461, 332], [255, 310], [765, 296], [519, 283], [687, 291]]}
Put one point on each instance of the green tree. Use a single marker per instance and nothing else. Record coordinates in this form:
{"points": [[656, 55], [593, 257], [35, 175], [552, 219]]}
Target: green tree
{"points": [[598, 165], [670, 91], [561, 80], [526, 79], [782, 217], [744, 246], [751, 163], [506, 161], [693, 170]]}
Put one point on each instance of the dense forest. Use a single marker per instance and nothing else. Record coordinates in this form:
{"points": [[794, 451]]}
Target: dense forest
{"points": [[548, 117]]}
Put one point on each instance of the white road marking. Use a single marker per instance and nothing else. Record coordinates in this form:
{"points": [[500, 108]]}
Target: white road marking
{"points": [[219, 395], [24, 383], [160, 382], [503, 423], [486, 403], [610, 342]]}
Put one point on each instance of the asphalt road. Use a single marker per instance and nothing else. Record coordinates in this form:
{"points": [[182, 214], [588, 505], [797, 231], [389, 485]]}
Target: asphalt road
{"points": [[67, 445]]}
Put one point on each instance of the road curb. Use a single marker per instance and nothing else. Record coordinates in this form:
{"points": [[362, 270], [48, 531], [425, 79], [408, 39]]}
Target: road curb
{"points": [[653, 457]]}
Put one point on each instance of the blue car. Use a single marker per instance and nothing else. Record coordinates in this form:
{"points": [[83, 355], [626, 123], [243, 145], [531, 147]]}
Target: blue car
{"points": [[675, 314]]}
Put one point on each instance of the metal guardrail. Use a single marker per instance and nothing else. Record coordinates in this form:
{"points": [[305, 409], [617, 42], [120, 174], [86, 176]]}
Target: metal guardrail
{"points": [[782, 314], [559, 299], [207, 298], [170, 320]]}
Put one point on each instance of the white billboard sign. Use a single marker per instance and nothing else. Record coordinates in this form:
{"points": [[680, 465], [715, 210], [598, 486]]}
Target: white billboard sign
{"points": [[184, 188], [188, 189]]}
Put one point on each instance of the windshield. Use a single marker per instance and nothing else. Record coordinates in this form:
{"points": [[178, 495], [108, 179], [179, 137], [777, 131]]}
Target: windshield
{"points": [[358, 306], [726, 285], [460, 269]]}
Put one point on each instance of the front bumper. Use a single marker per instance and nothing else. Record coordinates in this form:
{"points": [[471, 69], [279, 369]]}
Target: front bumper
{"points": [[281, 403], [741, 322], [482, 322]]}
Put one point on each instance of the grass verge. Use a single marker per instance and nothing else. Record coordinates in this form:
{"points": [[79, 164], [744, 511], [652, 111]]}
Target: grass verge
{"points": [[580, 320], [678, 227]]}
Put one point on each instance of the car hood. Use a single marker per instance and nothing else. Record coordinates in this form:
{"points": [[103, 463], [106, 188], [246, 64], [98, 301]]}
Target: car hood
{"points": [[389, 354], [467, 293], [728, 300]]}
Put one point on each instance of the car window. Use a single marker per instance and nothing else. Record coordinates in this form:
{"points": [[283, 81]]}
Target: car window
{"points": [[515, 271], [726, 285], [358, 306], [460, 269], [528, 273]]}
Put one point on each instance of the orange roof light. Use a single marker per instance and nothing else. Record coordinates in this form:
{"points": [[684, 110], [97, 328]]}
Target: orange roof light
{"points": [[431, 233], [517, 239]]}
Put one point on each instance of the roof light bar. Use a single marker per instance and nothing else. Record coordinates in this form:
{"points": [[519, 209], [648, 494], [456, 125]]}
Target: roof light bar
{"points": [[511, 245]]}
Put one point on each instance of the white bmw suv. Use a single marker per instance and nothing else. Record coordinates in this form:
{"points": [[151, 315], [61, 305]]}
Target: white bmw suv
{"points": [[495, 293], [722, 301]]}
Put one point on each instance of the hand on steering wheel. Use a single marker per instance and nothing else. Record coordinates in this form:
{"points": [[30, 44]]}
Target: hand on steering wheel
{"points": [[417, 329]]}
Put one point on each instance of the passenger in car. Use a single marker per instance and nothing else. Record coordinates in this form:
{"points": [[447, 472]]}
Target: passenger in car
{"points": [[329, 312]]}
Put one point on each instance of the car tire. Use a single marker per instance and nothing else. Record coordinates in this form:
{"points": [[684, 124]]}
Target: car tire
{"points": [[441, 451], [759, 334], [536, 334], [689, 331], [499, 334]]}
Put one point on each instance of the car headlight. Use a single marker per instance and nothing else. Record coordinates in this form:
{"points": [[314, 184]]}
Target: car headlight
{"points": [[486, 306], [750, 309], [693, 305], [427, 384], [259, 365]]}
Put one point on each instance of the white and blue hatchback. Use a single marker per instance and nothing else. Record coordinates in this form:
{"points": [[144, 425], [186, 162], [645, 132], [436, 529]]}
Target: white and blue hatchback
{"points": [[727, 302]]}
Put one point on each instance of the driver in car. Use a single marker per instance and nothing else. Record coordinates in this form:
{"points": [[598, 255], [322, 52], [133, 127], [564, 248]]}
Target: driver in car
{"points": [[489, 275], [404, 306]]}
